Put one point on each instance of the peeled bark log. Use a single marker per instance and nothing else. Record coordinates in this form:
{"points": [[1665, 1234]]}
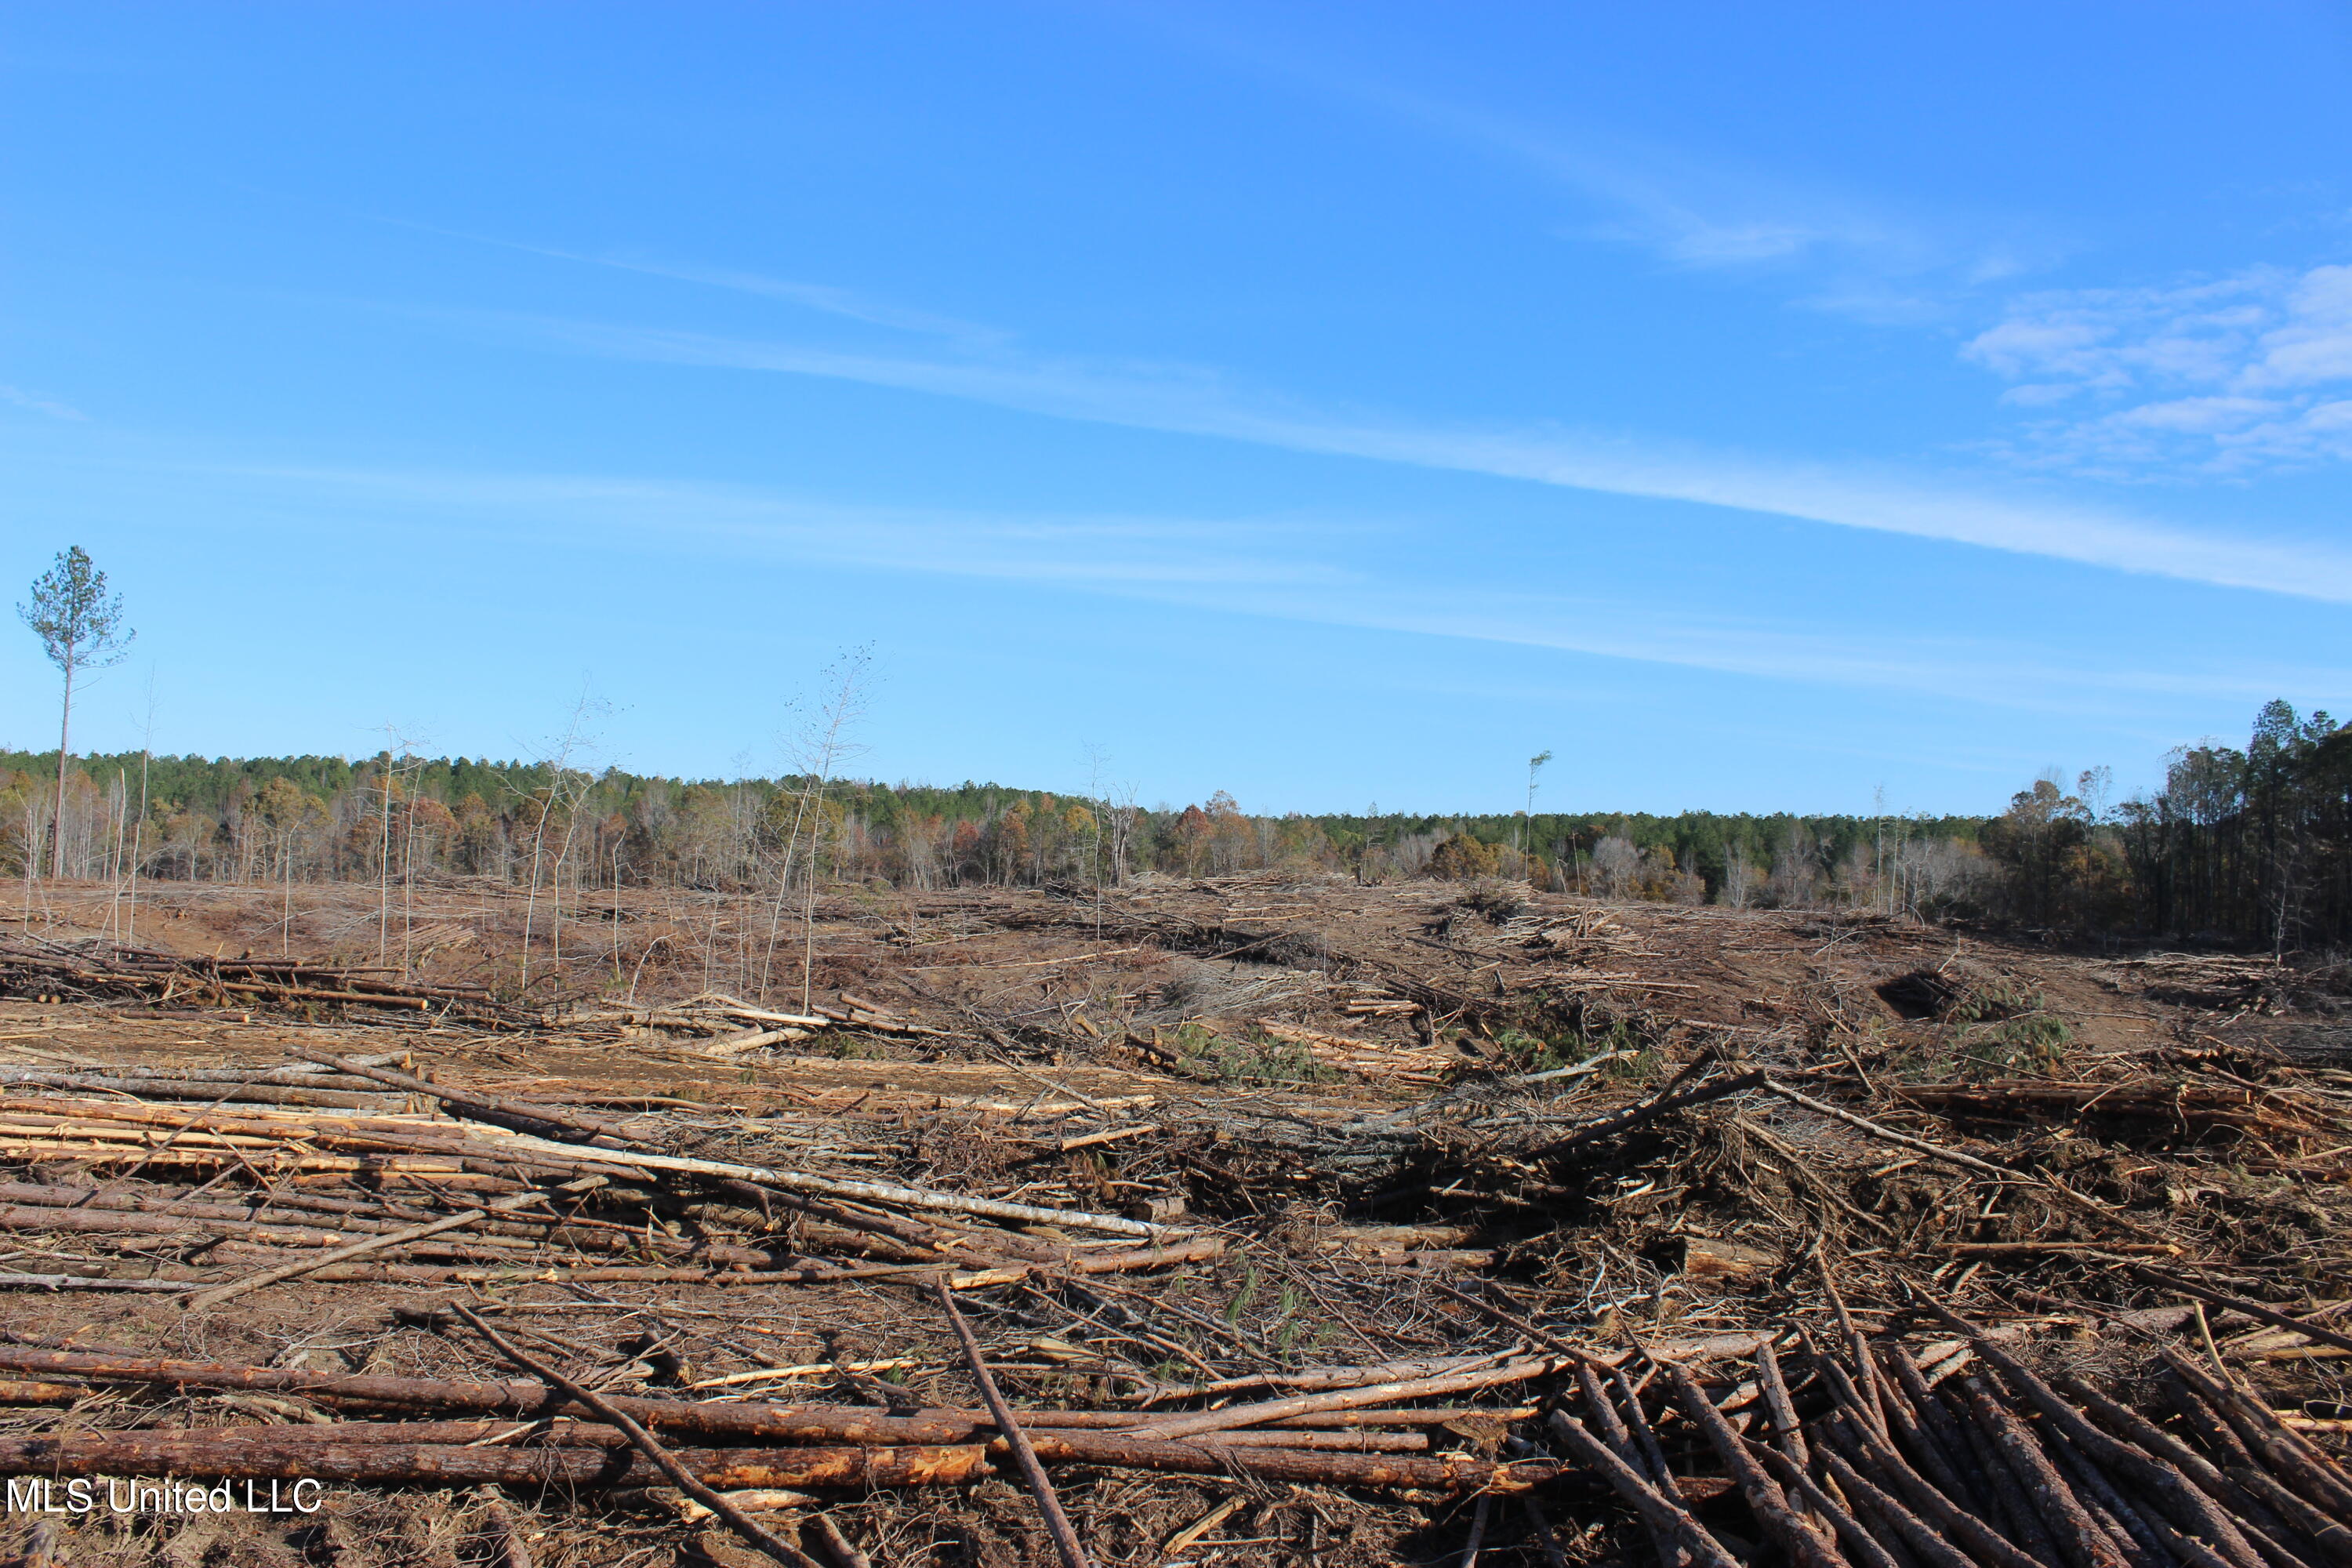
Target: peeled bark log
{"points": [[17, 1217], [1253, 1414], [20, 1391], [568, 1433], [209, 1091], [537, 1121], [724, 1421], [731, 1421], [354, 1219], [302, 1453], [210, 1458]]}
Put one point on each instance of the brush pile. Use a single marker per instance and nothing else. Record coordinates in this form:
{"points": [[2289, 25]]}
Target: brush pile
{"points": [[379, 1175], [42, 971], [1382, 1270]]}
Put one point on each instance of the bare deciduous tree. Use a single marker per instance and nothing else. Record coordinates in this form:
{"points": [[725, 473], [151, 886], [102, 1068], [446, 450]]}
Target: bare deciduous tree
{"points": [[139, 824], [821, 747], [1617, 865], [566, 786]]}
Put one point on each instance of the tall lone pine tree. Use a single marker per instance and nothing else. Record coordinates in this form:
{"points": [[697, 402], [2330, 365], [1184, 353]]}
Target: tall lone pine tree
{"points": [[79, 628]]}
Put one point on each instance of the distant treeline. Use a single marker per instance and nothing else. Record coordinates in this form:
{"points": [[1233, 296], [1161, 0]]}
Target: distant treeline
{"points": [[2250, 846], [311, 819]]}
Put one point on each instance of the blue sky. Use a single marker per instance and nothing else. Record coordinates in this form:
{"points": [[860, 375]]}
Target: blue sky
{"points": [[1756, 406]]}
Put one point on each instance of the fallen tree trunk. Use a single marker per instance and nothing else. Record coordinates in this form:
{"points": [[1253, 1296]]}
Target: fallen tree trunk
{"points": [[353, 1218], [120, 1223], [886, 1194], [310, 1453], [567, 1433], [1372, 1393], [537, 1121], [356, 1135], [737, 1421], [532, 1151], [195, 1454], [212, 1091]]}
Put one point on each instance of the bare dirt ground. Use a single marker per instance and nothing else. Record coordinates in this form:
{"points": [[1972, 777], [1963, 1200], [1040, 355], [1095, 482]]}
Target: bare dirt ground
{"points": [[1352, 1103]]}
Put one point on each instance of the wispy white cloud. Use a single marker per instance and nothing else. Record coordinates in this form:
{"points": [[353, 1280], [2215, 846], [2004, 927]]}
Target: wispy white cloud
{"points": [[2230, 376], [1098, 552], [1842, 254], [847, 303], [1961, 669], [1854, 253], [1196, 401], [1689, 212], [1300, 570], [844, 302], [36, 403]]}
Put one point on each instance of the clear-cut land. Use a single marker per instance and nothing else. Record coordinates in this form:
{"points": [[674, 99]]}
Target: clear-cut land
{"points": [[1295, 1221]]}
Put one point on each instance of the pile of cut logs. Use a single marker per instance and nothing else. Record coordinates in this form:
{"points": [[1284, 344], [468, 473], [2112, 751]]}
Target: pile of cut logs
{"points": [[1841, 1450], [730, 1026], [34, 969], [349, 1157]]}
